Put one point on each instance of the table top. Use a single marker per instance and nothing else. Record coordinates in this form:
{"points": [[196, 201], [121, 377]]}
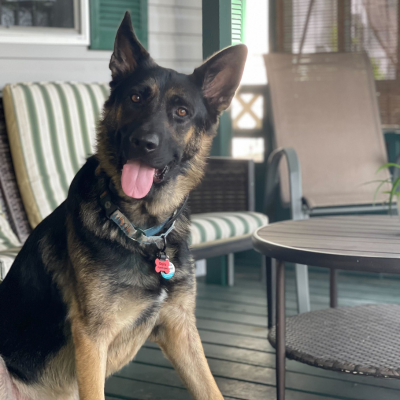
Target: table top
{"points": [[365, 242]]}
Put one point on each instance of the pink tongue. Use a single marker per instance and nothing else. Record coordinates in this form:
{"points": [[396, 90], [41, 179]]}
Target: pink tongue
{"points": [[137, 179]]}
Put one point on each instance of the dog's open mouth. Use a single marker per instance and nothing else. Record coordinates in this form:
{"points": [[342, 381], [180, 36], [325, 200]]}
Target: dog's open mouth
{"points": [[138, 178], [159, 174]]}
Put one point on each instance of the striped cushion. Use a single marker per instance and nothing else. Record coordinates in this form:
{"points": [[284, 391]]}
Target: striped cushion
{"points": [[7, 257], [7, 236], [223, 225], [9, 246], [51, 128]]}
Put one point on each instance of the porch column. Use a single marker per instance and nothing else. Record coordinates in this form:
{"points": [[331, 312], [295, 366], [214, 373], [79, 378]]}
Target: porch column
{"points": [[217, 34]]}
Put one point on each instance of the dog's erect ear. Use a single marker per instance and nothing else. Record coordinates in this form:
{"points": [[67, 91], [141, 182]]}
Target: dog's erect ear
{"points": [[128, 51], [220, 76]]}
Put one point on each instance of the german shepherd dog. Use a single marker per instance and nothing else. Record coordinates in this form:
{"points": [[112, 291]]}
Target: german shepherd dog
{"points": [[82, 297]]}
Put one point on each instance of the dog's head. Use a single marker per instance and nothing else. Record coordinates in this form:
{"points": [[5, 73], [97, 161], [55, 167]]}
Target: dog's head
{"points": [[158, 124]]}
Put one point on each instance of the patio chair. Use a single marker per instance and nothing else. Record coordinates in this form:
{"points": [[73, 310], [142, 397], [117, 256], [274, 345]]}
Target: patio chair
{"points": [[325, 118]]}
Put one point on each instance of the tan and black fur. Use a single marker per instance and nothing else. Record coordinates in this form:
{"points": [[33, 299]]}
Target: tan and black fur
{"points": [[81, 298]]}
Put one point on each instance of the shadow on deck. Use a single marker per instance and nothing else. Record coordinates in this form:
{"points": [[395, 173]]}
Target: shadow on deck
{"points": [[232, 324]]}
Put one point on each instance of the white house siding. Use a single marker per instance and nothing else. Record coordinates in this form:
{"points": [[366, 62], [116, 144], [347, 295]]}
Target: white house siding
{"points": [[175, 33], [33, 62], [175, 41]]}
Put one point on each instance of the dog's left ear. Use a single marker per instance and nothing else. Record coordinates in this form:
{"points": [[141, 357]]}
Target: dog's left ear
{"points": [[128, 51], [220, 76]]}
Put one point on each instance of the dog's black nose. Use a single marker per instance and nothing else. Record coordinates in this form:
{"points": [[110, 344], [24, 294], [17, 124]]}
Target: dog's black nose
{"points": [[147, 143]]}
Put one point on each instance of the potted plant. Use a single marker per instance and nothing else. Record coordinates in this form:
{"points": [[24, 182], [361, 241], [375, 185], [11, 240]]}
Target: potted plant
{"points": [[395, 186]]}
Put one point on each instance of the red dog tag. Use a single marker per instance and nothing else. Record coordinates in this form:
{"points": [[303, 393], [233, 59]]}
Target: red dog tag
{"points": [[162, 265]]}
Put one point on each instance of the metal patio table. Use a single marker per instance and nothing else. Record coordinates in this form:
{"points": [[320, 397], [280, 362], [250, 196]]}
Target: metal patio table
{"points": [[359, 340]]}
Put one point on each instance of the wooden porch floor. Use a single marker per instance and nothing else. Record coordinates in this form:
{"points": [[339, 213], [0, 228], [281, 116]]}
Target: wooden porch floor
{"points": [[232, 326]]}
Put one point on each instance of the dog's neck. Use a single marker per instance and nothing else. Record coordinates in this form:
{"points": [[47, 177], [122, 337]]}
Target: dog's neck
{"points": [[140, 212]]}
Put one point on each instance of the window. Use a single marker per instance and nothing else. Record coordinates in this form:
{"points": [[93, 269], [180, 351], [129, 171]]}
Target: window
{"points": [[49, 13], [44, 21], [349, 26], [248, 123], [67, 21], [248, 149], [255, 36]]}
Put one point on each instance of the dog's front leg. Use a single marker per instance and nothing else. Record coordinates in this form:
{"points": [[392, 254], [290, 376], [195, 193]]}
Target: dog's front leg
{"points": [[179, 340], [90, 361]]}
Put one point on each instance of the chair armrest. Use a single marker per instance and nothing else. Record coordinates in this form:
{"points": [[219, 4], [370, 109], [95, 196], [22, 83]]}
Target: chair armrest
{"points": [[295, 184]]}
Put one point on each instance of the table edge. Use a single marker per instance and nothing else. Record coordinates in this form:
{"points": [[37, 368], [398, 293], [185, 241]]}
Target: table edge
{"points": [[324, 259]]}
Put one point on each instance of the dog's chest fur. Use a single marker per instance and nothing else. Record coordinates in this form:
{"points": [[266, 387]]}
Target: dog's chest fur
{"points": [[132, 335], [121, 293]]}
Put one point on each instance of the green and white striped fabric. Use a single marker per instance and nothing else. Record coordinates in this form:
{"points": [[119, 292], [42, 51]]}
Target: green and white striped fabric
{"points": [[7, 236], [9, 246], [223, 225], [7, 257], [51, 127]]}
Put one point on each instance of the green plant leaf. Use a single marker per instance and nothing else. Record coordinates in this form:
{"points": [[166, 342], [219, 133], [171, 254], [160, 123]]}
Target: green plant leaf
{"points": [[387, 165], [393, 192], [379, 186], [376, 181]]}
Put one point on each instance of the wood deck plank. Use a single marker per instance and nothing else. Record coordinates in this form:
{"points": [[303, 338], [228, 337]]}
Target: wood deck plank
{"points": [[318, 291], [128, 389], [245, 319], [224, 326], [236, 388], [266, 376], [267, 360]]}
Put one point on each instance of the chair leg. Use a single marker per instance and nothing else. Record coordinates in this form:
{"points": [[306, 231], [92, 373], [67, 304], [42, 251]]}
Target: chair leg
{"points": [[231, 269], [333, 288], [263, 272], [303, 291], [280, 332], [271, 290]]}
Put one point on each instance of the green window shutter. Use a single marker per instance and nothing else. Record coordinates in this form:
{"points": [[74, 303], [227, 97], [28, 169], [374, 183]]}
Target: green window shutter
{"points": [[106, 15], [238, 20]]}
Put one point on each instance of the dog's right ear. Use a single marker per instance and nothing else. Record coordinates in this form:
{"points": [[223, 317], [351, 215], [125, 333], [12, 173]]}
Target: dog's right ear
{"points": [[128, 51]]}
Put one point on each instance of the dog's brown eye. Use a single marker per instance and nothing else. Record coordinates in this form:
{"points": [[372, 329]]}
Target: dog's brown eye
{"points": [[136, 98], [181, 112]]}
